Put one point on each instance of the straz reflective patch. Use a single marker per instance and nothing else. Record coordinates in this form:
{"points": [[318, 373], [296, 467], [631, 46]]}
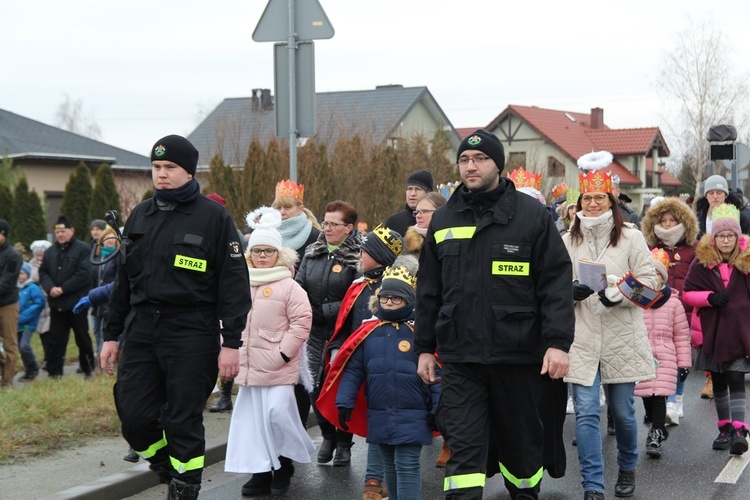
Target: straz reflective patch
{"points": [[500, 268], [190, 263]]}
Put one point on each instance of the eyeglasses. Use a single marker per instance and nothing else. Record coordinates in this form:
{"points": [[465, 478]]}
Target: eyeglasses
{"points": [[421, 212], [726, 237], [478, 160], [395, 300], [263, 251], [599, 199], [332, 225]]}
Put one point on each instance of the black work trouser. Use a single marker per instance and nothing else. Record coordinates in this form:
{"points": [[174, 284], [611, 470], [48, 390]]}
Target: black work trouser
{"points": [[167, 370], [503, 398], [61, 323]]}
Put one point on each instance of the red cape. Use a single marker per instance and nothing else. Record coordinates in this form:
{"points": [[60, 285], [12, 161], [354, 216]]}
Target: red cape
{"points": [[326, 402], [347, 303]]}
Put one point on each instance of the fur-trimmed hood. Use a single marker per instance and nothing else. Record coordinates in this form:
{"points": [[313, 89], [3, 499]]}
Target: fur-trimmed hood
{"points": [[413, 241], [287, 258], [681, 212], [709, 256]]}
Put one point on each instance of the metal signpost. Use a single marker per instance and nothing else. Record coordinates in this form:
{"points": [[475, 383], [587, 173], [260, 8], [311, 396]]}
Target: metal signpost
{"points": [[295, 23]]}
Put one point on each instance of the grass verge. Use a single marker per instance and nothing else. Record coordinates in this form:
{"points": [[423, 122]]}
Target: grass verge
{"points": [[48, 415]]}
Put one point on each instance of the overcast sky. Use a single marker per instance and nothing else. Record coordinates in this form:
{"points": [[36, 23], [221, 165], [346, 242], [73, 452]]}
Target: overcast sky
{"points": [[144, 69]]}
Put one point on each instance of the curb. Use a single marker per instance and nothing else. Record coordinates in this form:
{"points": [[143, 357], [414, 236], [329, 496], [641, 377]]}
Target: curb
{"points": [[134, 480]]}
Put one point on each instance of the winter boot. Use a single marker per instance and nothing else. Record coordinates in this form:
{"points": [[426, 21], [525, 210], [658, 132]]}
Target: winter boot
{"points": [[225, 400], [680, 409], [282, 477], [259, 484], [343, 455], [673, 417], [724, 438], [325, 452], [180, 490], [738, 443], [373, 490], [445, 454], [654, 440], [708, 390], [131, 456], [625, 485], [593, 495], [162, 470]]}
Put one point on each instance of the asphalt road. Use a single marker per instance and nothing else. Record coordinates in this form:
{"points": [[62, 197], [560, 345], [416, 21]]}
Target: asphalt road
{"points": [[688, 469]]}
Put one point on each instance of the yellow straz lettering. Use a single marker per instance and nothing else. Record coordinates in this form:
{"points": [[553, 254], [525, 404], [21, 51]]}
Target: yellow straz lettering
{"points": [[500, 268], [190, 263]]}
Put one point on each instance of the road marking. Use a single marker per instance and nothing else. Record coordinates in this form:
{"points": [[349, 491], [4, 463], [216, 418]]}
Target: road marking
{"points": [[733, 469]]}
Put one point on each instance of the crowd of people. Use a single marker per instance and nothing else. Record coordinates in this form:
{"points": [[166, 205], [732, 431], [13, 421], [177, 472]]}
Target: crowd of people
{"points": [[470, 315]]}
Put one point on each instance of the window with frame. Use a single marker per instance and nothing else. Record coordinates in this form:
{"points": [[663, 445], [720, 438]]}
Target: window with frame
{"points": [[554, 167], [516, 160]]}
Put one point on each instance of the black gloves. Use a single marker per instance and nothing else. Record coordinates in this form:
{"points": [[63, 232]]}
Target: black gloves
{"points": [[718, 299], [684, 372], [581, 292], [345, 414], [604, 300]]}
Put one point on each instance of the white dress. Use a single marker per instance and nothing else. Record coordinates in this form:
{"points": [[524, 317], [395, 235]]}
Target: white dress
{"points": [[265, 425]]}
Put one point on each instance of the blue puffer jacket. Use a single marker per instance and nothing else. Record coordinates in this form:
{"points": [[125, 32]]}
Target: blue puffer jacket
{"points": [[30, 304], [398, 402]]}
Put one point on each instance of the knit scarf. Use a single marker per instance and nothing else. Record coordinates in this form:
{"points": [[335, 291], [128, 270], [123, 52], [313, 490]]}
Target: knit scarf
{"points": [[268, 275], [295, 231], [589, 222], [420, 230], [670, 237], [396, 315], [184, 194]]}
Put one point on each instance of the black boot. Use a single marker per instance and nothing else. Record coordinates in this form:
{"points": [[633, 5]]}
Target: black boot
{"points": [[162, 470], [325, 452], [224, 402], [738, 444], [593, 495], [259, 484], [654, 440], [724, 438], [180, 490], [131, 456], [343, 455], [625, 485], [282, 477]]}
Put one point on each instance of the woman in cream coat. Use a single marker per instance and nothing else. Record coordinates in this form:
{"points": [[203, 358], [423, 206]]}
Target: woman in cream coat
{"points": [[611, 344]]}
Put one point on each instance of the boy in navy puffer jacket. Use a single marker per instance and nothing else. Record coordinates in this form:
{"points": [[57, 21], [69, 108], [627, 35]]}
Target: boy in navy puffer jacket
{"points": [[31, 302], [400, 407]]}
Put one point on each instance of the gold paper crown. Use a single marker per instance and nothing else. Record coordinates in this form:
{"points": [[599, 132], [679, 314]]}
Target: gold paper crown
{"points": [[571, 197], [523, 178], [595, 181], [726, 210], [660, 255], [559, 190], [385, 235], [290, 188], [402, 274]]}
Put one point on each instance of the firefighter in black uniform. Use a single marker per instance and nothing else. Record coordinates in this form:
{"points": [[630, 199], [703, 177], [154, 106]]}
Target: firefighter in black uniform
{"points": [[496, 302], [181, 283]]}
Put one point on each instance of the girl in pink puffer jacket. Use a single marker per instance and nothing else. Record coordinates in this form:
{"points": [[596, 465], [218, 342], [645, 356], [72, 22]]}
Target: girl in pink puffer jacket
{"points": [[669, 335]]}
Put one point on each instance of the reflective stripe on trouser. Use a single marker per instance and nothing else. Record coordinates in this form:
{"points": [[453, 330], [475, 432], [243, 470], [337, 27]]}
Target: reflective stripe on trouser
{"points": [[490, 405], [461, 481], [522, 483], [166, 373], [154, 448]]}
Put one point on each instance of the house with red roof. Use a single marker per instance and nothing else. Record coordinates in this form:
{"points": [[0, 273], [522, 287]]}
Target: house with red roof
{"points": [[550, 142]]}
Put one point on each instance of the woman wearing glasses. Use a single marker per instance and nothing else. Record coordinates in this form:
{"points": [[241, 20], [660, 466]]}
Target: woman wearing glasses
{"points": [[426, 206], [266, 433], [328, 268], [718, 283], [611, 344]]}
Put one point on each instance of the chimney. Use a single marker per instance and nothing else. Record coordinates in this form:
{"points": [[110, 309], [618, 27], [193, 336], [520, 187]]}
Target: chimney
{"points": [[261, 100], [597, 118]]}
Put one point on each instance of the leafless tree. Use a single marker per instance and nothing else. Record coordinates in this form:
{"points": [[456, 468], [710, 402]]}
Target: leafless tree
{"points": [[698, 75], [71, 117]]}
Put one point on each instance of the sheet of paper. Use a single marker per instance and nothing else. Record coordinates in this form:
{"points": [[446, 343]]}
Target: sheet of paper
{"points": [[592, 274]]}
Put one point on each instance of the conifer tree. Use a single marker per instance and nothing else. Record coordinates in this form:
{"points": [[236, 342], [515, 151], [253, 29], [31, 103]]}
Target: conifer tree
{"points": [[6, 204], [76, 200], [27, 215], [104, 196]]}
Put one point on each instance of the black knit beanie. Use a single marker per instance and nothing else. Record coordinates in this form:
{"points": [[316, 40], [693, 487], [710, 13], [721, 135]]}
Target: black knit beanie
{"points": [[4, 228], [178, 150], [383, 245], [421, 179], [487, 143]]}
